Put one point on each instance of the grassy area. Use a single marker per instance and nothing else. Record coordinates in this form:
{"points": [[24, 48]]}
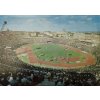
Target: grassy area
{"points": [[50, 52], [24, 58]]}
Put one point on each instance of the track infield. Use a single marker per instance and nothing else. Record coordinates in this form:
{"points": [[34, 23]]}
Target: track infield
{"points": [[54, 56]]}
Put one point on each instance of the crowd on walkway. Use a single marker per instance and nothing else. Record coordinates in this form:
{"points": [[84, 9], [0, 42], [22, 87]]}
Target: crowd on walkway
{"points": [[38, 76]]}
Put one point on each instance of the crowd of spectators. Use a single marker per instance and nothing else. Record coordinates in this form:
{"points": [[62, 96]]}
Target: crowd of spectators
{"points": [[34, 75]]}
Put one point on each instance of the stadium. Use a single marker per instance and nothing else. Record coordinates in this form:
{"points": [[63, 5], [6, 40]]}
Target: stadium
{"points": [[49, 58]]}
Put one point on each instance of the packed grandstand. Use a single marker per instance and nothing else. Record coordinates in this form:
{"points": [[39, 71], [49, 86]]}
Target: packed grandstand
{"points": [[15, 72]]}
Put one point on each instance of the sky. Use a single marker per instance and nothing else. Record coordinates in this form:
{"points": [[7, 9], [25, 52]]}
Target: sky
{"points": [[74, 23]]}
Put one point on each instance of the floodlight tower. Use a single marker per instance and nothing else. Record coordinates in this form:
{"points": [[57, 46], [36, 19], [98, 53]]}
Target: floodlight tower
{"points": [[4, 26]]}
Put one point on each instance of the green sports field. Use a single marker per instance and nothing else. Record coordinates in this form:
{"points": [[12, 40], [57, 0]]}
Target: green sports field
{"points": [[53, 55], [50, 52]]}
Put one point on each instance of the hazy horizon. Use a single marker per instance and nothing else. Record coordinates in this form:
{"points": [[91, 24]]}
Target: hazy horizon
{"points": [[53, 23]]}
